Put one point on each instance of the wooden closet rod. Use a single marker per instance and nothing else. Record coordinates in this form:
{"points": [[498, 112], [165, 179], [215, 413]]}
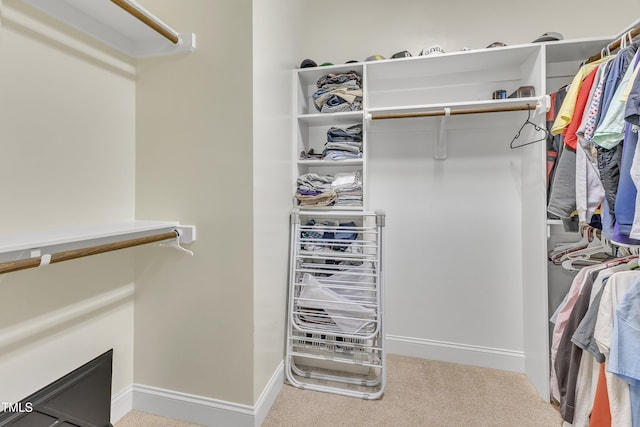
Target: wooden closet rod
{"points": [[453, 112], [23, 264], [147, 20], [616, 44]]}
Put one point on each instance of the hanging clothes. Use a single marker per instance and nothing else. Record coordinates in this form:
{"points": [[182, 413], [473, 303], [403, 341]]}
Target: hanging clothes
{"points": [[554, 142], [589, 188], [617, 389], [625, 346], [588, 360], [626, 195], [596, 334], [562, 197], [594, 161], [571, 139], [569, 355], [565, 114], [632, 116], [610, 129]]}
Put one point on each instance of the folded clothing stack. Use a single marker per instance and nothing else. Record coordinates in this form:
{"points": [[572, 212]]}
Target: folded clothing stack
{"points": [[348, 187], [342, 189], [338, 92], [343, 144], [315, 190]]}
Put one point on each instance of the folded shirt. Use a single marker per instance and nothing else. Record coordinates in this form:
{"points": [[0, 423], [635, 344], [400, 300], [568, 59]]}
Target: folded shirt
{"points": [[323, 199], [340, 155], [352, 133]]}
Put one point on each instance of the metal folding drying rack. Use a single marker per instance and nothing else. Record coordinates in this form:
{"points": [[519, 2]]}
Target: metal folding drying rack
{"points": [[335, 304]]}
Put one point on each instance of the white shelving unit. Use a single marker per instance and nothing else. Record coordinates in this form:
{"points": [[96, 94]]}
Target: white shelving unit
{"points": [[114, 26], [311, 129], [438, 86]]}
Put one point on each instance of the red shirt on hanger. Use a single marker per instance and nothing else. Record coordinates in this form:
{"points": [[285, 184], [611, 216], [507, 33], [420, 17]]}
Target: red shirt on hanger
{"points": [[570, 137]]}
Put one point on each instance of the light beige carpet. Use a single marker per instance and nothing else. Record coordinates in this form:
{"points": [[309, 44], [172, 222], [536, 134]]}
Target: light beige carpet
{"points": [[142, 419], [423, 393], [419, 393]]}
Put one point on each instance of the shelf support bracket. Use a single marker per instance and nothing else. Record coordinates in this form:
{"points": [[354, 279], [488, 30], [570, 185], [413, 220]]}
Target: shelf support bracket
{"points": [[440, 147]]}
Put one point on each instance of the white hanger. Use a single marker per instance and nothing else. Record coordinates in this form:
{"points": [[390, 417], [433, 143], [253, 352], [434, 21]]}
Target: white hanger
{"points": [[570, 255], [630, 36], [561, 247], [596, 246]]}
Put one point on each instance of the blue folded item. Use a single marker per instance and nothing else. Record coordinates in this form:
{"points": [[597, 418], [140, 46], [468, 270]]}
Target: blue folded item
{"points": [[352, 133]]}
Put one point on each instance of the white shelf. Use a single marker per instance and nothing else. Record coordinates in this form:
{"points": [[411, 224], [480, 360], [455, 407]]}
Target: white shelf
{"points": [[454, 66], [329, 208], [105, 21], [346, 162], [575, 49], [88, 235], [326, 119]]}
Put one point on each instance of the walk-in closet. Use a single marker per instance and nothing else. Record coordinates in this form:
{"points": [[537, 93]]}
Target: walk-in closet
{"points": [[182, 145], [467, 183]]}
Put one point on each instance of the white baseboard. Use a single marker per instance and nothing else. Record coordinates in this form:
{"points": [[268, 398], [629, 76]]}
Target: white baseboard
{"points": [[269, 394], [487, 357], [121, 403], [197, 409]]}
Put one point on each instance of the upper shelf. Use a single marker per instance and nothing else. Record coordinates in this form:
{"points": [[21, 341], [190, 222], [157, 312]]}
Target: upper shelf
{"points": [[113, 22], [323, 119]]}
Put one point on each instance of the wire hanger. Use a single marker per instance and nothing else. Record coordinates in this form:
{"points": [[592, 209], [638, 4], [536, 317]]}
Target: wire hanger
{"points": [[535, 126]]}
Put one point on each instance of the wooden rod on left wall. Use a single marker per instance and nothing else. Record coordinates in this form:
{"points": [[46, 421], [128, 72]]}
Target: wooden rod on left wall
{"points": [[23, 264], [126, 6]]}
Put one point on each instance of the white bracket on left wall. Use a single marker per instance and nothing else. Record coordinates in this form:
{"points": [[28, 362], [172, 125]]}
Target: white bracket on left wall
{"points": [[187, 233]]}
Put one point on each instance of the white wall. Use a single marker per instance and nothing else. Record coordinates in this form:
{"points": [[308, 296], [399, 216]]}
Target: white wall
{"points": [[453, 243], [337, 31], [194, 315], [274, 47], [67, 137]]}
